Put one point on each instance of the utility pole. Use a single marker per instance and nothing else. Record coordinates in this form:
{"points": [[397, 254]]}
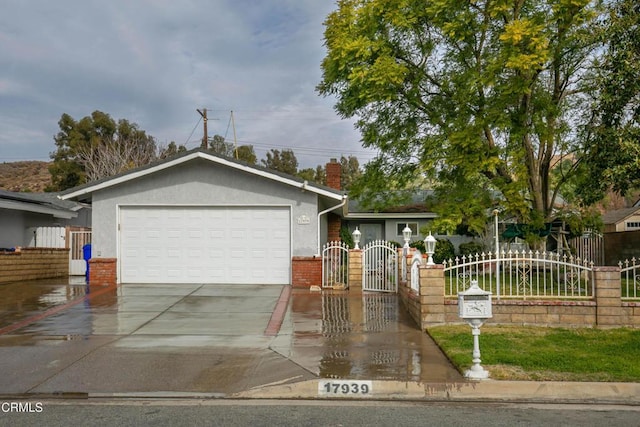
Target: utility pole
{"points": [[235, 140], [205, 138]]}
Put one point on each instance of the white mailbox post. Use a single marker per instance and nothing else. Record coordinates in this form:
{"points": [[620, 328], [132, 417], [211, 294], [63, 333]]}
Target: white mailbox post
{"points": [[474, 305]]}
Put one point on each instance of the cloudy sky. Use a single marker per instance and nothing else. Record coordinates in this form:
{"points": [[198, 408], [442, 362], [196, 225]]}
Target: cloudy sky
{"points": [[154, 62]]}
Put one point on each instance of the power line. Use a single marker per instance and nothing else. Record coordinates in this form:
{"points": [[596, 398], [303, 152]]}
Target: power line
{"points": [[191, 134]]}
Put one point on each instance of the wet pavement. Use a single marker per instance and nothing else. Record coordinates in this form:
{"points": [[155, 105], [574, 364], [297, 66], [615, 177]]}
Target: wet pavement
{"points": [[362, 336], [59, 337]]}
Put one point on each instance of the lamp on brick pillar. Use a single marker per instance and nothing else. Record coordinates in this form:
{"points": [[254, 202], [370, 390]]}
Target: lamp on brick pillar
{"points": [[430, 248], [356, 238]]}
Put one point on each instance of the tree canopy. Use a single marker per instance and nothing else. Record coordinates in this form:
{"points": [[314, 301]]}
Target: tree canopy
{"points": [[246, 153], [480, 98], [612, 160], [97, 146], [284, 161]]}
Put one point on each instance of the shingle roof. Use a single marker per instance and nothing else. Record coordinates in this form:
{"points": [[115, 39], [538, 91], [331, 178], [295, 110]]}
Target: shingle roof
{"points": [[614, 217]]}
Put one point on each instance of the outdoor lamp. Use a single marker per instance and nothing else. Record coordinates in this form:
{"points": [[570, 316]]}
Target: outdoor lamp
{"points": [[356, 238], [430, 248], [406, 235]]}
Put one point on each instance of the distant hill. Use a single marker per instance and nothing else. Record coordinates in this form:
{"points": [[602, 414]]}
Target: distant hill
{"points": [[27, 176]]}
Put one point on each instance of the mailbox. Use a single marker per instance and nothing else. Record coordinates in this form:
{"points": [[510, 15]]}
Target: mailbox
{"points": [[474, 303]]}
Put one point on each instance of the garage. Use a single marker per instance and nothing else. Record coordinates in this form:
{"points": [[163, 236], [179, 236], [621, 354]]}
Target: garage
{"points": [[205, 244]]}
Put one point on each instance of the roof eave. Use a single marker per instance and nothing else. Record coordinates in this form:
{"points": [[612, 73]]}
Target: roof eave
{"points": [[387, 215], [304, 186], [35, 208]]}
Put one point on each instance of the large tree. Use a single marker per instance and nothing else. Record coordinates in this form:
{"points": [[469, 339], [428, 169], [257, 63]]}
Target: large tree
{"points": [[97, 146], [612, 161], [482, 98]]}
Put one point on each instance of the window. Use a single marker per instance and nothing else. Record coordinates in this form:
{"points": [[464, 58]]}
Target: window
{"points": [[631, 225], [412, 225]]}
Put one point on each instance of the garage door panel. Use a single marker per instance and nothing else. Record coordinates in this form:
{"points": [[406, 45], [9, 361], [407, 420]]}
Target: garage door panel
{"points": [[205, 245]]}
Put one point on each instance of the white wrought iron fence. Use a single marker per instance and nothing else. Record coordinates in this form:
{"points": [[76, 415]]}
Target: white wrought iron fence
{"points": [[416, 262], [522, 274], [335, 264], [630, 279]]}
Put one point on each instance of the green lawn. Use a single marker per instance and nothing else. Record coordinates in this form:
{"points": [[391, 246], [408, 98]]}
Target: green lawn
{"points": [[537, 353]]}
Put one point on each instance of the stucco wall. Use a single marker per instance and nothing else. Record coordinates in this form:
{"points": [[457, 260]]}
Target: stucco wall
{"points": [[202, 183], [13, 227]]}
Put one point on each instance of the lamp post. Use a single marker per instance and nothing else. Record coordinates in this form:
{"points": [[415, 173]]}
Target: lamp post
{"points": [[356, 238], [406, 235], [495, 214], [430, 248]]}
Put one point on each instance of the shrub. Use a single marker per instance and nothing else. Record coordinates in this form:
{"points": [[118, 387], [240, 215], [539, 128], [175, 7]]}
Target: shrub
{"points": [[444, 250], [346, 237], [470, 248], [418, 244]]}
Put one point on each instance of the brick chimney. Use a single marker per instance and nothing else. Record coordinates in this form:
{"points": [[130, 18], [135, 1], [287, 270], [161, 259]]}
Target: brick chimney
{"points": [[333, 170]]}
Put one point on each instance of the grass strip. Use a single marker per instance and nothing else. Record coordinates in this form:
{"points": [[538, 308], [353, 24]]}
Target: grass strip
{"points": [[546, 354]]}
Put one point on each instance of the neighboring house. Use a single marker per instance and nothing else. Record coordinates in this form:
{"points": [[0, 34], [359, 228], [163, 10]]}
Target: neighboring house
{"points": [[388, 224], [22, 214], [627, 219], [202, 218]]}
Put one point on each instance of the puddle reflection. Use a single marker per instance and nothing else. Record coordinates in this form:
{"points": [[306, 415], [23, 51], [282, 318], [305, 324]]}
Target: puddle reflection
{"points": [[362, 337], [28, 302]]}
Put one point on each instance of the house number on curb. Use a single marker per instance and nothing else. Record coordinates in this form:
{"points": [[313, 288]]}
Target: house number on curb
{"points": [[346, 388]]}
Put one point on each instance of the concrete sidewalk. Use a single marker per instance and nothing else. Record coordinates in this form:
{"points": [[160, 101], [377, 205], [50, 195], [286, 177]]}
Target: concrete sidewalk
{"points": [[230, 341]]}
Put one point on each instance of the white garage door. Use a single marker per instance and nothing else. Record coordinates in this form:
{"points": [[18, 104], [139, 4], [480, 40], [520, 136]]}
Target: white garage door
{"points": [[205, 245]]}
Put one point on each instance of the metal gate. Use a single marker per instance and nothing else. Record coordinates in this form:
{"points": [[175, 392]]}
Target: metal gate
{"points": [[379, 267], [77, 264], [335, 265]]}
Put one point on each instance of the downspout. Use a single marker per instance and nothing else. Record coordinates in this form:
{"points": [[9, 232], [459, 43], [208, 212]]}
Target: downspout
{"points": [[326, 211]]}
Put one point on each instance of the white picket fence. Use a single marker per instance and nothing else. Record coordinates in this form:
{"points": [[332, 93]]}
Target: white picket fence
{"points": [[46, 237]]}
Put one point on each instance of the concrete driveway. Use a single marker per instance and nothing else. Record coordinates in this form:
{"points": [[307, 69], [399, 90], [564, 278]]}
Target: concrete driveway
{"points": [[63, 338]]}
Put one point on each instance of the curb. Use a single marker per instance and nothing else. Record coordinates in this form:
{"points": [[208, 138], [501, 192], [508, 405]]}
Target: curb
{"points": [[482, 391]]}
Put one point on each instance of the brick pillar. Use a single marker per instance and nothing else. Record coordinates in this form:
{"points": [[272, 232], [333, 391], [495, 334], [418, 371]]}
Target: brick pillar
{"points": [[609, 312], [306, 271], [431, 295], [102, 272], [355, 270]]}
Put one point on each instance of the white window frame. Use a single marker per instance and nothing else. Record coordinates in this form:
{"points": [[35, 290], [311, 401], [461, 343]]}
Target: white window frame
{"points": [[413, 225], [632, 225]]}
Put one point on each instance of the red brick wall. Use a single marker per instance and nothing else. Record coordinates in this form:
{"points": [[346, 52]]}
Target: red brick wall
{"points": [[334, 222], [306, 271], [102, 271]]}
